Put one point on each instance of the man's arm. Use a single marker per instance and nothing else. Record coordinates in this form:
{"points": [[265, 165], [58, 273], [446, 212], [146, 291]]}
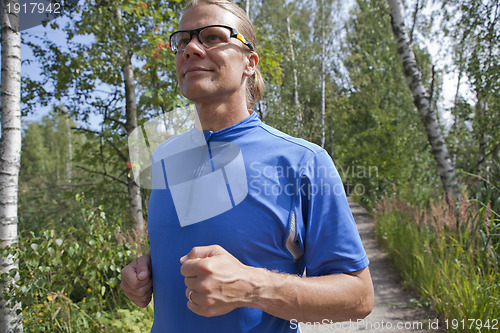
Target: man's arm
{"points": [[217, 283], [336, 297], [137, 282]]}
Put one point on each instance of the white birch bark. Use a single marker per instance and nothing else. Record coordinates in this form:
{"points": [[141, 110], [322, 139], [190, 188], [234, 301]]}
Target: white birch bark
{"points": [[134, 191], [295, 75], [421, 99], [10, 156]]}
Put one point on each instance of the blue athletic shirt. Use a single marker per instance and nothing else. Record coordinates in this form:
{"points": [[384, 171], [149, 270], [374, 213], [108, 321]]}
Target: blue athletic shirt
{"points": [[290, 215]]}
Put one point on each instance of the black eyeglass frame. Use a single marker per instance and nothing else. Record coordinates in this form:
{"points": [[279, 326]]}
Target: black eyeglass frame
{"points": [[234, 34]]}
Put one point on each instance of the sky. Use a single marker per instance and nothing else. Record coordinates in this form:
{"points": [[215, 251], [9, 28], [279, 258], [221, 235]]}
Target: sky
{"points": [[31, 29]]}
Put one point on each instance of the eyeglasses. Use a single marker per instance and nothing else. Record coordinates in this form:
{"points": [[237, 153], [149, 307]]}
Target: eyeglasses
{"points": [[209, 36]]}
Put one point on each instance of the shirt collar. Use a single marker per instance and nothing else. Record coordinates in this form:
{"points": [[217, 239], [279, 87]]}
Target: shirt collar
{"points": [[234, 131]]}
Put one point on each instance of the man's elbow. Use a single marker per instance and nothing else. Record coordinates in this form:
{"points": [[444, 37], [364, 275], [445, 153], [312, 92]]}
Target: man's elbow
{"points": [[367, 306], [366, 302], [366, 298]]}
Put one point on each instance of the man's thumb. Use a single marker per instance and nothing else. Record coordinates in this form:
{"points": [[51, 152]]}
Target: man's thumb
{"points": [[142, 272], [201, 252]]}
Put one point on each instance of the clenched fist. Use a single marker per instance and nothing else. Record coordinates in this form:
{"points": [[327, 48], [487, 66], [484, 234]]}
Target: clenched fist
{"points": [[137, 281], [216, 281]]}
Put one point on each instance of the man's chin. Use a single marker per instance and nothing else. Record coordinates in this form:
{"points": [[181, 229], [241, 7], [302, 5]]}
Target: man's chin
{"points": [[199, 92]]}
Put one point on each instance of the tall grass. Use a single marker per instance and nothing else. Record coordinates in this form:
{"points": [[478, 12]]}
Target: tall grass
{"points": [[449, 256]]}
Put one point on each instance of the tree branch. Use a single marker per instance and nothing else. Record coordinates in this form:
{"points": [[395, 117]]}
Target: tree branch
{"points": [[84, 130], [103, 174], [431, 90], [122, 156], [106, 117], [415, 15]]}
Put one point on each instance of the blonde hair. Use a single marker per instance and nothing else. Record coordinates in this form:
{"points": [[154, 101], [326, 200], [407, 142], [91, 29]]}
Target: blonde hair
{"points": [[255, 83]]}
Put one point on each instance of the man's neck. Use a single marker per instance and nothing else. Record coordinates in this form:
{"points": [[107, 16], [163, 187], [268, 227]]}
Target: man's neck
{"points": [[215, 117]]}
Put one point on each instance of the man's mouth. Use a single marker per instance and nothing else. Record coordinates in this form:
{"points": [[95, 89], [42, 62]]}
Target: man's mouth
{"points": [[195, 70]]}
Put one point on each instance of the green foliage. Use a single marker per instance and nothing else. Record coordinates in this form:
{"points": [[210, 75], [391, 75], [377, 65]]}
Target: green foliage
{"points": [[103, 172], [474, 29], [115, 64], [87, 73], [47, 172], [69, 277], [270, 61], [281, 109], [450, 257], [134, 320], [55, 164], [374, 124], [45, 151]]}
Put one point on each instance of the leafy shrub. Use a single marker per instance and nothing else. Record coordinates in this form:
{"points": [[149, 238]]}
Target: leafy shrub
{"points": [[69, 277]]}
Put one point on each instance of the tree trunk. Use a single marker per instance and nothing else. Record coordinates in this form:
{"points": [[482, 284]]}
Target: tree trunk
{"points": [[69, 164], [421, 99], [295, 76], [10, 157], [247, 7], [134, 191], [479, 128]]}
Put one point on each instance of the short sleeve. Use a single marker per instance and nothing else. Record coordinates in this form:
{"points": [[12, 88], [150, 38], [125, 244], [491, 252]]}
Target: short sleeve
{"points": [[326, 229]]}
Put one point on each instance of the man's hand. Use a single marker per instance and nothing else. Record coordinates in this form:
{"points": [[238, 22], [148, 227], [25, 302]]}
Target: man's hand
{"points": [[136, 281], [217, 282]]}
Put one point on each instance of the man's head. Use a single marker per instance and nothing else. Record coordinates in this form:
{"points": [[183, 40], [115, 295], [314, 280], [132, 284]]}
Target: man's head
{"points": [[224, 54]]}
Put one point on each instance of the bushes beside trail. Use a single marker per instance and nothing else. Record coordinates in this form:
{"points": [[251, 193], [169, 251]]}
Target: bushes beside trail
{"points": [[69, 277], [449, 256]]}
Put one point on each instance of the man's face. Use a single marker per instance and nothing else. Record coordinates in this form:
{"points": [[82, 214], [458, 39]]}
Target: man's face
{"points": [[213, 74]]}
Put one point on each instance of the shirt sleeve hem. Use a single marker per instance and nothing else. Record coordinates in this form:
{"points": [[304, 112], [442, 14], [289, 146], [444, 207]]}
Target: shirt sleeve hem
{"points": [[341, 267]]}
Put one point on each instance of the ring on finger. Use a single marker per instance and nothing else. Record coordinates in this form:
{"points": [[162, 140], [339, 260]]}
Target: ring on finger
{"points": [[189, 296]]}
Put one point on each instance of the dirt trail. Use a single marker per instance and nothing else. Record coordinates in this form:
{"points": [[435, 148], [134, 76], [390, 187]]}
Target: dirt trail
{"points": [[395, 309]]}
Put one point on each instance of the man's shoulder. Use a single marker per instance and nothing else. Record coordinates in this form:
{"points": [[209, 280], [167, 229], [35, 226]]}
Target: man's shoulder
{"points": [[287, 141], [177, 144]]}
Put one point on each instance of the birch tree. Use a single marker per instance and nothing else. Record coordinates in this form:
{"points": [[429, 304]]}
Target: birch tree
{"points": [[295, 75], [376, 125], [422, 101], [323, 59], [10, 156], [134, 191]]}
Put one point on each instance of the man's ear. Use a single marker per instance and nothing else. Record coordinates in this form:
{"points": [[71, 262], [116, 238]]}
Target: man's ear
{"points": [[251, 67]]}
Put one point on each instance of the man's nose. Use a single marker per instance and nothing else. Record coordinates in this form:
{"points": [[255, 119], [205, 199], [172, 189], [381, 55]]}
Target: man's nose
{"points": [[194, 47]]}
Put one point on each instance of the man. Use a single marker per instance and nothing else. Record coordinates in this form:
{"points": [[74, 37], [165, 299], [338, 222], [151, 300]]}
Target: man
{"points": [[245, 210]]}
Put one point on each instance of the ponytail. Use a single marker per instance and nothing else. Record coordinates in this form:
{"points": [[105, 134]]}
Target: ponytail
{"points": [[255, 88]]}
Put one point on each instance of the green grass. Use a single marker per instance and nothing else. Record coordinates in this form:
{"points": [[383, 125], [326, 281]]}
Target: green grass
{"points": [[450, 258]]}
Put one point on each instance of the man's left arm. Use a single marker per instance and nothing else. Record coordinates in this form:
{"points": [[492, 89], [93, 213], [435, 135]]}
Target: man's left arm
{"points": [[217, 283]]}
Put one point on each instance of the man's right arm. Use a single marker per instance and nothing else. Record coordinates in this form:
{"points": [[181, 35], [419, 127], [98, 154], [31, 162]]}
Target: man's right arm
{"points": [[137, 281]]}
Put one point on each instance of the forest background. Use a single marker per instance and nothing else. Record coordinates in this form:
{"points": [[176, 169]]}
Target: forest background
{"points": [[334, 77]]}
